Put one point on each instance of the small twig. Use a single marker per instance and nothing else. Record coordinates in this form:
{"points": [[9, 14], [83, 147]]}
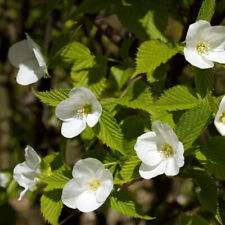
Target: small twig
{"points": [[139, 77], [67, 218]]}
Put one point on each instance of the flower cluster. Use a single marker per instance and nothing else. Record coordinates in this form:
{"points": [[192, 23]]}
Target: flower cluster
{"points": [[159, 150]]}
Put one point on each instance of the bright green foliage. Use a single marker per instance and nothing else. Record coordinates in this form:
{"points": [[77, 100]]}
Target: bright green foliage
{"points": [[53, 97], [75, 51], [110, 132], [151, 54], [129, 169], [51, 205], [146, 19], [90, 72], [192, 123], [215, 157], [138, 96], [121, 73], [207, 10], [123, 202], [208, 191], [57, 179], [163, 116], [176, 98], [204, 81]]}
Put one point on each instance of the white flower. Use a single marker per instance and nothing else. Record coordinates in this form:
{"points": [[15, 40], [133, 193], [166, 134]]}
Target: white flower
{"points": [[205, 44], [26, 55], [219, 121], [3, 180], [160, 152], [90, 186], [26, 173], [80, 108]]}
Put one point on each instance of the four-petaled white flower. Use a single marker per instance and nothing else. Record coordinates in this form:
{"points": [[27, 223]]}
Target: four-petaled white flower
{"points": [[219, 121], [80, 108], [3, 180], [90, 186], [26, 55], [205, 44], [160, 152], [26, 173]]}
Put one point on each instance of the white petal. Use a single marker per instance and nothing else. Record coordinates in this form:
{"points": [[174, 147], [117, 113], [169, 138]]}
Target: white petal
{"points": [[216, 56], [179, 155], [146, 149], [3, 180], [215, 35], [148, 172], [73, 128], [197, 60], [87, 168], [37, 52], [66, 109], [102, 193], [222, 104], [92, 119], [219, 125], [87, 202], [82, 92], [165, 134], [172, 168], [22, 193], [20, 52], [194, 32], [29, 73], [70, 193], [32, 158], [25, 176]]}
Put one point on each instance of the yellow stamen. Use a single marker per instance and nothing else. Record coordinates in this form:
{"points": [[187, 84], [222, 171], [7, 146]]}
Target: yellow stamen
{"points": [[94, 184], [222, 117], [166, 150], [202, 47]]}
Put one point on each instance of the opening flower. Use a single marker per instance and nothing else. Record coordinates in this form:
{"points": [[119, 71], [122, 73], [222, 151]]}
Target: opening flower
{"points": [[219, 121], [205, 44], [80, 108], [90, 186], [160, 152], [3, 180], [26, 56], [26, 173]]}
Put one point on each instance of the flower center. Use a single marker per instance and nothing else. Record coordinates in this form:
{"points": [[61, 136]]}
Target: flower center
{"points": [[166, 150], [84, 110], [94, 184], [222, 117], [202, 47]]}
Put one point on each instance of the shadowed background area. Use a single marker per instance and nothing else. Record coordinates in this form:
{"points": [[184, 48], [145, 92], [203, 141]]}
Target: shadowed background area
{"points": [[113, 29]]}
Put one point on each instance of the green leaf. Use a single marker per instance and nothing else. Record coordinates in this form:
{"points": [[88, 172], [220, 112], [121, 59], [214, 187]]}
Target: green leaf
{"points": [[146, 19], [215, 157], [121, 73], [123, 202], [53, 97], [192, 220], [207, 10], [151, 54], [109, 132], [51, 205], [204, 81], [207, 194], [75, 51], [129, 168], [90, 72], [138, 97], [193, 122], [176, 98], [57, 179]]}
